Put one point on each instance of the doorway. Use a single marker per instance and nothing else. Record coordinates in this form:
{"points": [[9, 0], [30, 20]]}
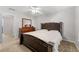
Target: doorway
{"points": [[8, 21]]}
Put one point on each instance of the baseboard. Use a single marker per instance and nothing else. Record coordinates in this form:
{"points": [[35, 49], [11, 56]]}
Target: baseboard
{"points": [[69, 40]]}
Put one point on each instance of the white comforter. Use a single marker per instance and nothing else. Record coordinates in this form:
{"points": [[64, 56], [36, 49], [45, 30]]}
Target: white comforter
{"points": [[48, 36]]}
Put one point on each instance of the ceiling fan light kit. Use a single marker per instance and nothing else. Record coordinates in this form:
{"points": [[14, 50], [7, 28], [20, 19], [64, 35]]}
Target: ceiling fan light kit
{"points": [[35, 10]]}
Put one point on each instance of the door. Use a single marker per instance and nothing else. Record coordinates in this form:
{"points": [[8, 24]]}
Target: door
{"points": [[8, 25]]}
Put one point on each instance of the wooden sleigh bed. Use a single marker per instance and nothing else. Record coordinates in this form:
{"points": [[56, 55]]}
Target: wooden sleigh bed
{"points": [[36, 44]]}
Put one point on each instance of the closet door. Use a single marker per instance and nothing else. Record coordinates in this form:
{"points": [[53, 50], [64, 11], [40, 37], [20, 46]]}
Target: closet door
{"points": [[0, 29], [8, 25]]}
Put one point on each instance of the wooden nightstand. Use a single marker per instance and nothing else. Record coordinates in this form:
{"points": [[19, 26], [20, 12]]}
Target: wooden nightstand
{"points": [[26, 29]]}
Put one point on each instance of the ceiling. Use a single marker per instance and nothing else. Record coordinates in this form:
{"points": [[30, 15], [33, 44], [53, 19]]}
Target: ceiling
{"points": [[45, 10]]}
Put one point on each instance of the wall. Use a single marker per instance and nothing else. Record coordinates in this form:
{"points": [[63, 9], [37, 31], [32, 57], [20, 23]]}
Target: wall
{"points": [[16, 22], [0, 29], [66, 16], [77, 26]]}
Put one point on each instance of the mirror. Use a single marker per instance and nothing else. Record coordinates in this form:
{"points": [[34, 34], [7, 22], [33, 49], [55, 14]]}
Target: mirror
{"points": [[26, 22]]}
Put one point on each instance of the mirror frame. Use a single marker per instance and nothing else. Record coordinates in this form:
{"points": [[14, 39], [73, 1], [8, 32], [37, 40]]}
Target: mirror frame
{"points": [[23, 19]]}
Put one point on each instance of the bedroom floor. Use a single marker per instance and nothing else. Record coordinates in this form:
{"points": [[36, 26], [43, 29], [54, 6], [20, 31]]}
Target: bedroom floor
{"points": [[66, 46], [12, 45]]}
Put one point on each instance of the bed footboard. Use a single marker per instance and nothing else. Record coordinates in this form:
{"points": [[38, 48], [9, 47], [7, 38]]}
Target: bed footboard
{"points": [[35, 44]]}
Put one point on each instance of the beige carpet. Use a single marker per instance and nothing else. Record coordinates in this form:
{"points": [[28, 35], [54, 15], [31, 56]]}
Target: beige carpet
{"points": [[12, 45], [66, 46]]}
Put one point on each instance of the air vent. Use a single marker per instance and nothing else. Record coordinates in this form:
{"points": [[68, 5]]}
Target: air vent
{"points": [[11, 9]]}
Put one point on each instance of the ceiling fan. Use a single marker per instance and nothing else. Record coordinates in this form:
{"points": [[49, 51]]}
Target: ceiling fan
{"points": [[35, 10]]}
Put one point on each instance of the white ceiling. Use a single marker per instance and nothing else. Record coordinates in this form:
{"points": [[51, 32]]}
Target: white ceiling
{"points": [[46, 10]]}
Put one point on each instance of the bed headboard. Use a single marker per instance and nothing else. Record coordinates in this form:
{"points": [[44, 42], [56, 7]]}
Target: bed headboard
{"points": [[52, 26]]}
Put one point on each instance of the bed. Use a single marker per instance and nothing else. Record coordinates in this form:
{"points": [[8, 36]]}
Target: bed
{"points": [[37, 44]]}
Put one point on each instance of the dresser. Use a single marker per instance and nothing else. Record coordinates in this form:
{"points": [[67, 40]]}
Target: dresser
{"points": [[26, 29]]}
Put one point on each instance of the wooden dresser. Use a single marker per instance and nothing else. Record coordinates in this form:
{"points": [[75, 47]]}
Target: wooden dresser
{"points": [[26, 29]]}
